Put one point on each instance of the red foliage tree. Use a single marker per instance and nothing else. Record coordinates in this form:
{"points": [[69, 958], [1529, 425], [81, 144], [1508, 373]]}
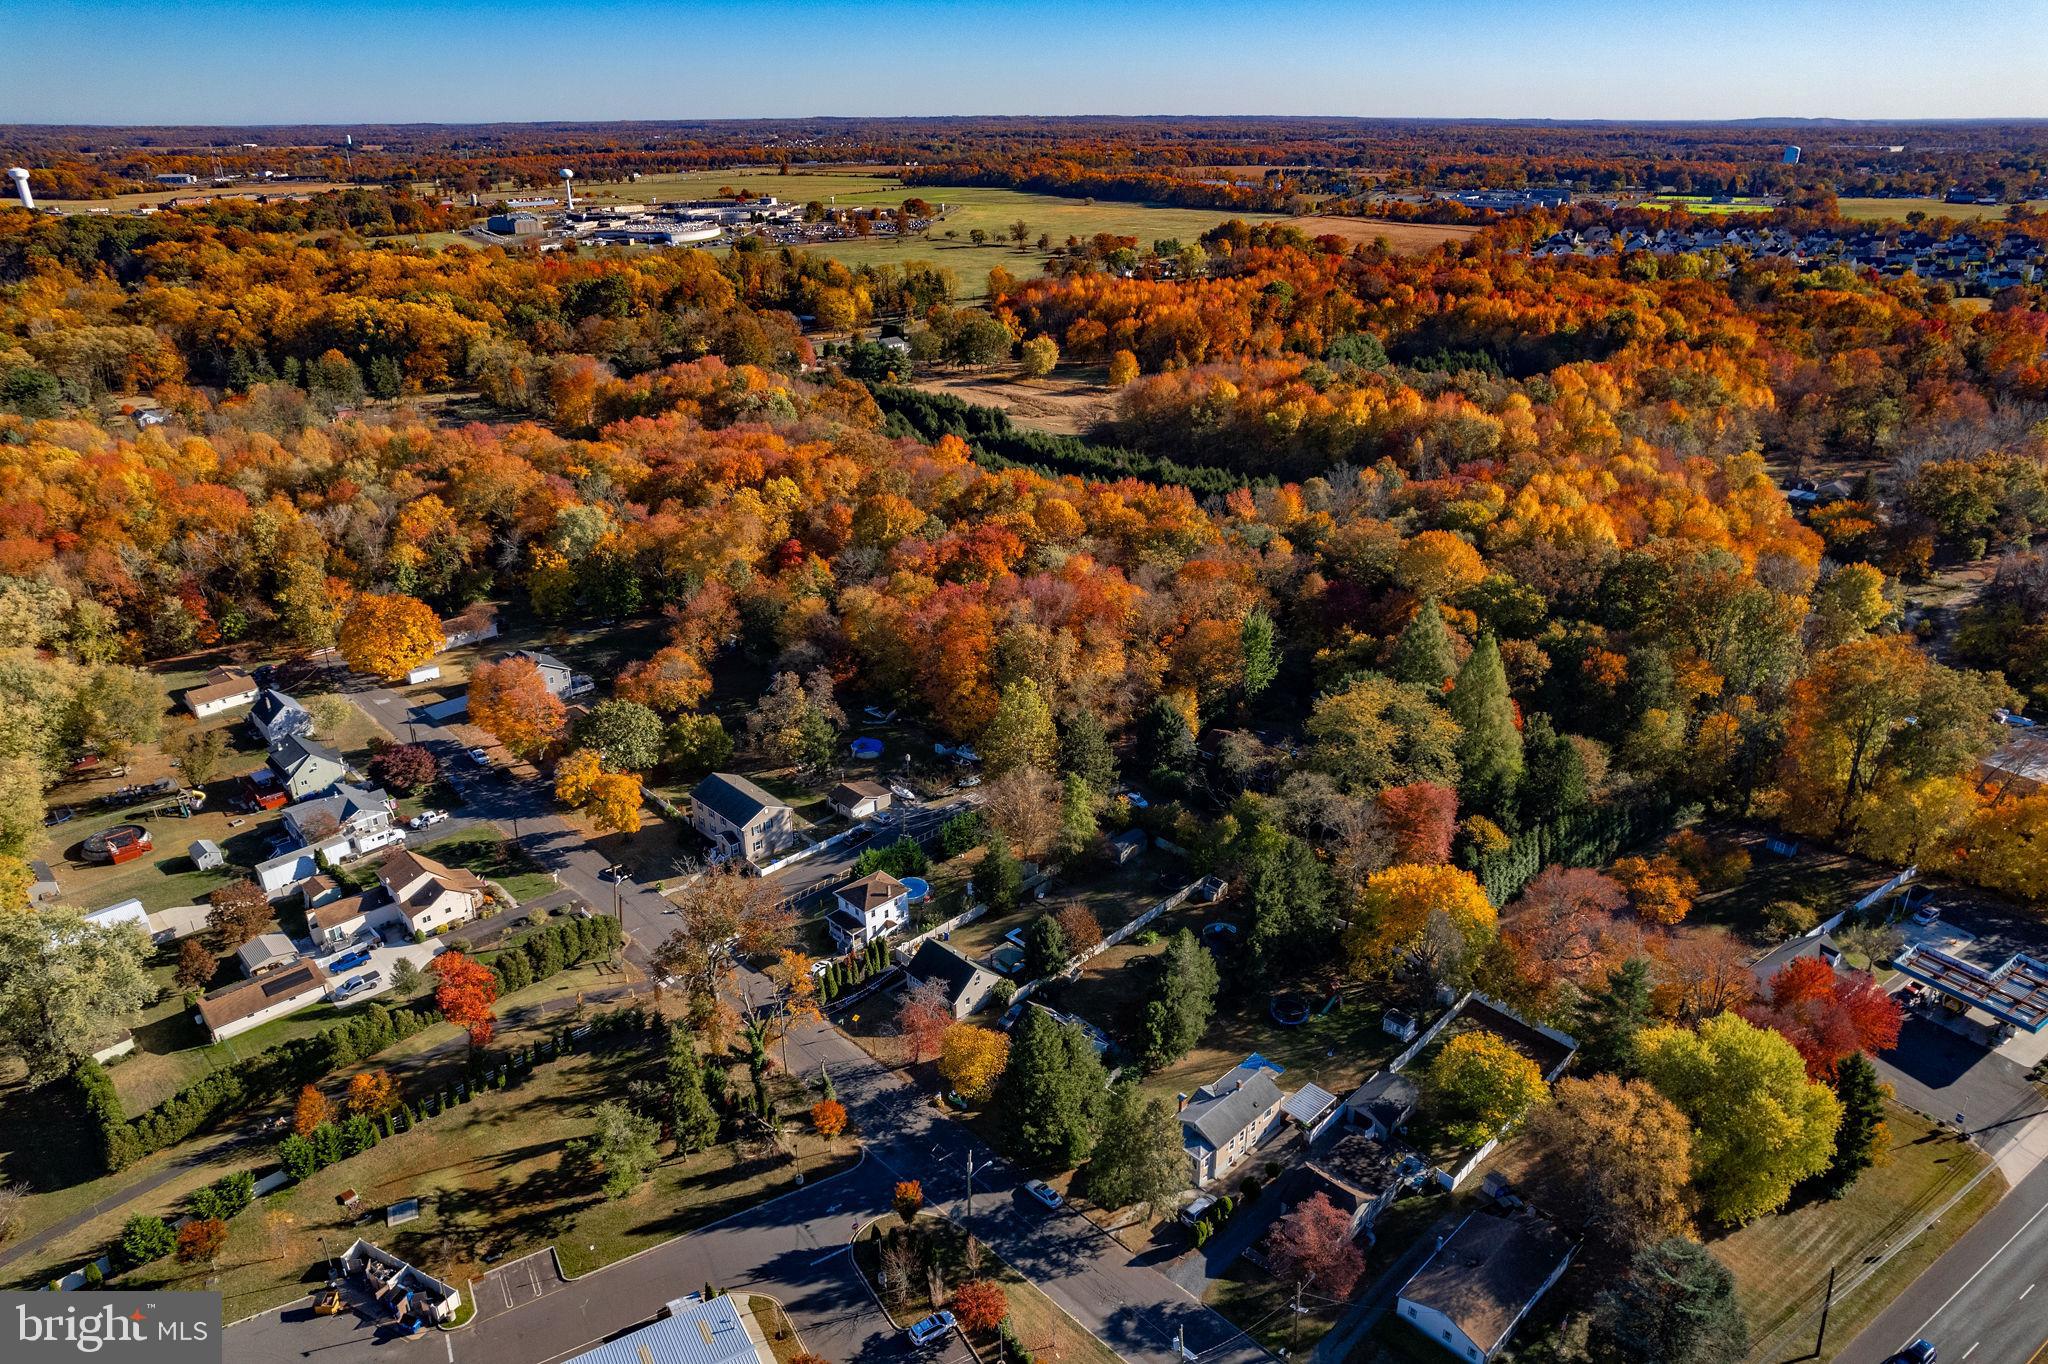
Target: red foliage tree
{"points": [[465, 995], [1828, 1015], [1314, 1241], [1422, 818], [1566, 925], [980, 1306]]}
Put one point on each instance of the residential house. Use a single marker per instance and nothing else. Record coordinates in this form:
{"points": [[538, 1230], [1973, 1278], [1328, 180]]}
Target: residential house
{"points": [[2018, 767], [251, 1003], [859, 799], [401, 1291], [125, 912], [1383, 1104], [278, 716], [740, 818], [873, 907], [338, 920], [306, 768], [265, 953], [563, 681], [967, 986], [430, 896], [473, 626], [1475, 1289], [223, 690], [1227, 1119], [1362, 1176], [695, 1330], [360, 816]]}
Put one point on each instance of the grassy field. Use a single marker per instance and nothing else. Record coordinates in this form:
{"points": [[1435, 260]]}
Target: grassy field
{"points": [[124, 203], [1881, 210], [1405, 237], [1701, 203], [1821, 879], [495, 859], [1781, 1262]]}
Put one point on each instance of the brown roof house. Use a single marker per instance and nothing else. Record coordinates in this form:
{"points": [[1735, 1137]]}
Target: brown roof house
{"points": [[223, 690], [873, 907], [1471, 1294], [251, 1003], [859, 799], [428, 895]]}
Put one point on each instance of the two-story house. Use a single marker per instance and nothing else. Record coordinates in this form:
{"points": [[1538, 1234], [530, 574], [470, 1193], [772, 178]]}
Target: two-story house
{"points": [[740, 818], [306, 768], [277, 716], [560, 678], [1227, 1119], [429, 895], [873, 907]]}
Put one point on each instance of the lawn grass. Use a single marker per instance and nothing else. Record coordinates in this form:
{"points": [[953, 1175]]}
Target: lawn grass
{"points": [[495, 859], [495, 1180], [1879, 210], [783, 1340], [1264, 1307], [1046, 1331], [1781, 1262], [1823, 880]]}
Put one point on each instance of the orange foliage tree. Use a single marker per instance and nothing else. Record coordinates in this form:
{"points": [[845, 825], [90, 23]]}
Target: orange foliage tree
{"points": [[373, 1092], [388, 636], [1827, 1015], [310, 1111], [466, 994], [980, 1305], [829, 1117], [512, 702]]}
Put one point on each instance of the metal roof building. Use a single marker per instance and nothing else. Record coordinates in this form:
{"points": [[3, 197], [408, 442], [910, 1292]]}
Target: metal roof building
{"points": [[719, 1331], [2015, 991]]}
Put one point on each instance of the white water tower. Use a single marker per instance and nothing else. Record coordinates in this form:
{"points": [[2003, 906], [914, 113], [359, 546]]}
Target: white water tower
{"points": [[568, 186], [21, 190]]}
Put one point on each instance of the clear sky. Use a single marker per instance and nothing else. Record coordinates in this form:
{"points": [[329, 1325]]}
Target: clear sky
{"points": [[327, 61]]}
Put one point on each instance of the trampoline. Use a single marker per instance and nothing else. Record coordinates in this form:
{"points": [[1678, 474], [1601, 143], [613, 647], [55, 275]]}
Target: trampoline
{"points": [[115, 844], [1289, 1011]]}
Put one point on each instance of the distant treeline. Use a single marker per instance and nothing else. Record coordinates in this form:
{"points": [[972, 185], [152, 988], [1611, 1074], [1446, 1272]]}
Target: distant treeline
{"points": [[999, 444]]}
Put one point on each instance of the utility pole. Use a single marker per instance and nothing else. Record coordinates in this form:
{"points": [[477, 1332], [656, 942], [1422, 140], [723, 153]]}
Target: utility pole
{"points": [[970, 1183], [1827, 1304]]}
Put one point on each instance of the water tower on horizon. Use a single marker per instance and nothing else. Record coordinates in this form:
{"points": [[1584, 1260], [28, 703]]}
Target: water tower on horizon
{"points": [[568, 186], [21, 190]]}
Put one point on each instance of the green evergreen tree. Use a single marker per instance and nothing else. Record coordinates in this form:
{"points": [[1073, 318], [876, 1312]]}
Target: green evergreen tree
{"points": [[692, 1122], [1167, 745], [1553, 774], [1085, 752], [1489, 746], [1259, 650], [1676, 1305], [1424, 653], [1045, 947], [999, 879], [1611, 1019], [1178, 1016], [1862, 1127], [1052, 1093], [1140, 1156], [1288, 892]]}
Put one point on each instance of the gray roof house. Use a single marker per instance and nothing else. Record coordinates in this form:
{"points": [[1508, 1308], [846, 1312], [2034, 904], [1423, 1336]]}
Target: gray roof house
{"points": [[967, 986], [1362, 1176], [349, 810], [276, 715], [561, 679], [1227, 1119], [740, 818], [306, 768], [1383, 1104], [266, 952], [1470, 1295]]}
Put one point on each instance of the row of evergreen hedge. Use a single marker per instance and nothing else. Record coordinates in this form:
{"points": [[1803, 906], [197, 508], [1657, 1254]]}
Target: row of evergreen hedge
{"points": [[998, 444]]}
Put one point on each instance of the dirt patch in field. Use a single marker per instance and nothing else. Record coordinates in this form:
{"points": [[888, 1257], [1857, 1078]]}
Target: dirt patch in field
{"points": [[1412, 238], [1065, 404]]}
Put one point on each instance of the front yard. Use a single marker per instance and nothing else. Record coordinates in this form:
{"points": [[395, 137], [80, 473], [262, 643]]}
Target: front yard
{"points": [[495, 859]]}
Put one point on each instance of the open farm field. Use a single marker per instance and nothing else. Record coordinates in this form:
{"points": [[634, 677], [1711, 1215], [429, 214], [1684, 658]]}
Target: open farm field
{"points": [[1406, 237], [1882, 210]]}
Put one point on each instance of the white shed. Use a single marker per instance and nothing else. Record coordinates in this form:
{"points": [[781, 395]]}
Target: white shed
{"points": [[206, 854]]}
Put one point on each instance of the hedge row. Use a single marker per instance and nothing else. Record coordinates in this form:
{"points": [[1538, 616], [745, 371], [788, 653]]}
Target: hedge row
{"points": [[997, 444], [553, 947], [1590, 837], [235, 1088]]}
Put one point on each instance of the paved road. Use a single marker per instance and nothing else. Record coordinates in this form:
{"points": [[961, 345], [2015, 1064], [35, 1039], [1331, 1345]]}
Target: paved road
{"points": [[793, 1248], [1984, 1300]]}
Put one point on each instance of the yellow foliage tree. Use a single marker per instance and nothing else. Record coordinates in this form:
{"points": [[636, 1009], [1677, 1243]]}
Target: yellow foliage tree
{"points": [[614, 803], [576, 775], [972, 1059], [389, 636], [1394, 909], [1123, 368], [512, 701]]}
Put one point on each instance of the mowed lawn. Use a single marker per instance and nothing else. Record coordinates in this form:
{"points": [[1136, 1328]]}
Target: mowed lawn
{"points": [[1781, 1262], [1878, 210], [495, 1179]]}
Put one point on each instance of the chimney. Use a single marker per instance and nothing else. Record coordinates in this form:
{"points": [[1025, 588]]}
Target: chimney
{"points": [[1180, 1102]]}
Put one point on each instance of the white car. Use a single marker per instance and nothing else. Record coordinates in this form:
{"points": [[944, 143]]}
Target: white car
{"points": [[355, 985], [1044, 1193], [967, 782], [1927, 917], [479, 757]]}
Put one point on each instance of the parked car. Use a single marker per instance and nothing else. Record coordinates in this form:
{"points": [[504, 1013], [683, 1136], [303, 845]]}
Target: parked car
{"points": [[1044, 1193], [1137, 800], [355, 985], [932, 1328], [1928, 917], [426, 818], [479, 757], [1919, 1352], [348, 961], [968, 781]]}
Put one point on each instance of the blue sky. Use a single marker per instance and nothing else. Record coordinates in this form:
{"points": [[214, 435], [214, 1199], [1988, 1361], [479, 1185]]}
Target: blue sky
{"points": [[233, 61]]}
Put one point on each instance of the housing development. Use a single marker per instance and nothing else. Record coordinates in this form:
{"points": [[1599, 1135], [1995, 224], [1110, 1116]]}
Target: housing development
{"points": [[1023, 739]]}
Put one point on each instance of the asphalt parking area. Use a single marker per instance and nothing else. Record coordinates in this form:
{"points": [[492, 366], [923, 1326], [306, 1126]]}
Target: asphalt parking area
{"points": [[516, 1283]]}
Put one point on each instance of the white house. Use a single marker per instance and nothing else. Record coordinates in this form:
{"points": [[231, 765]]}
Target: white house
{"points": [[1227, 1119], [223, 690], [1470, 1295], [359, 815], [277, 715], [251, 1003], [859, 799], [125, 912], [429, 896], [873, 907], [562, 680]]}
